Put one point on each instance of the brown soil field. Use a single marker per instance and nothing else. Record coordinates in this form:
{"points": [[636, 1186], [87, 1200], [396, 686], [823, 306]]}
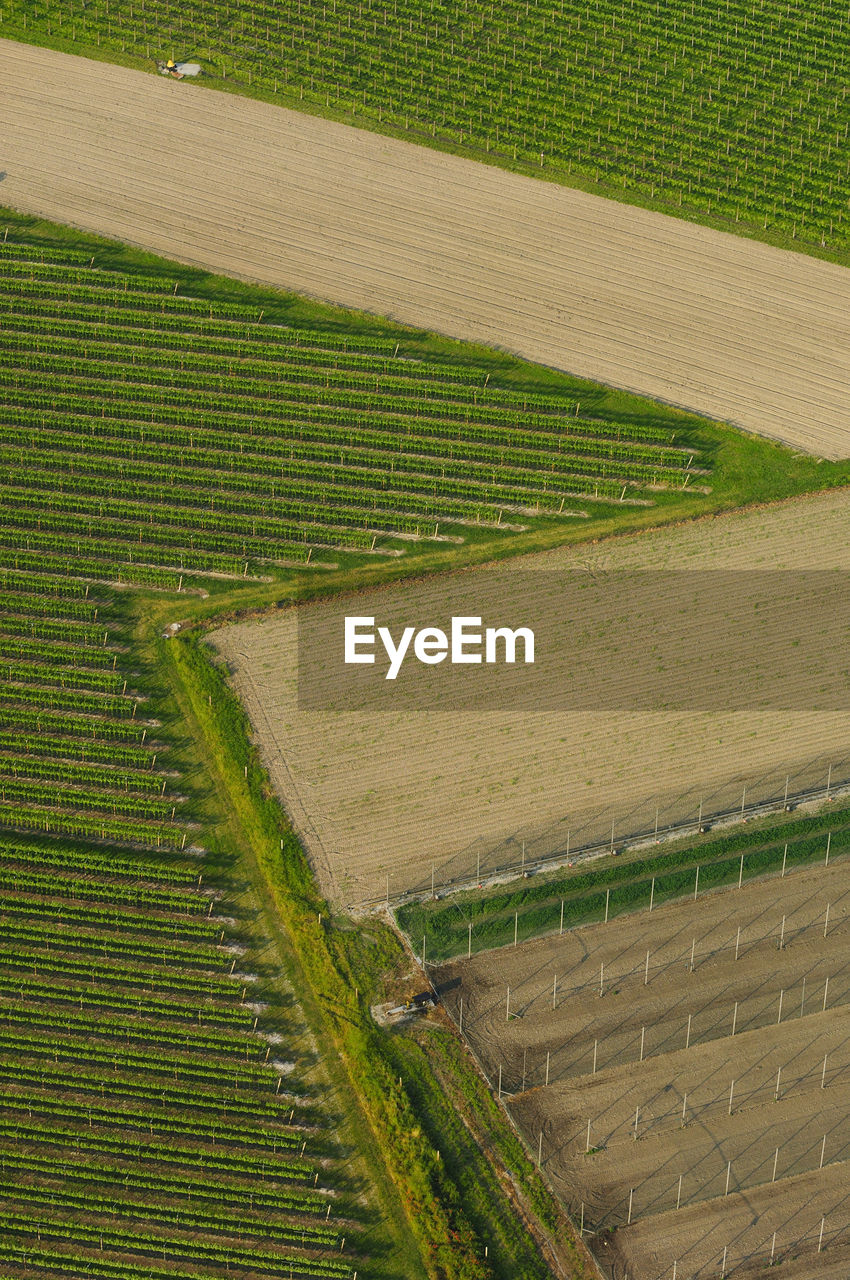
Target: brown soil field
{"points": [[725, 326], [395, 793], [710, 1096]]}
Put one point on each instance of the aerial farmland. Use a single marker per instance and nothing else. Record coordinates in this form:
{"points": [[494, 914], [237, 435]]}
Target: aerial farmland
{"points": [[373, 312]]}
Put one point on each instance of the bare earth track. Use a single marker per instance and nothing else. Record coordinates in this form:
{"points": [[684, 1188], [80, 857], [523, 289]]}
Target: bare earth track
{"points": [[684, 1109], [724, 326]]}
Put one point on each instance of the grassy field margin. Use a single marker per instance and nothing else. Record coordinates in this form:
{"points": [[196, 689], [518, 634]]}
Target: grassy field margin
{"points": [[446, 1241]]}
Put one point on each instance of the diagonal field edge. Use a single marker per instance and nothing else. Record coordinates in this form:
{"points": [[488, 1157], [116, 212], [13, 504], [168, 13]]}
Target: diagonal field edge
{"points": [[723, 326]]}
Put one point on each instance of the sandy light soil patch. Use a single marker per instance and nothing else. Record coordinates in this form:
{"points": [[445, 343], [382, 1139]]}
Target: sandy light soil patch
{"points": [[690, 1108], [718, 324], [393, 794]]}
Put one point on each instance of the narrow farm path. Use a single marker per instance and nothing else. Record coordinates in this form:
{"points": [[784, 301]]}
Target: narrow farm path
{"points": [[717, 324]]}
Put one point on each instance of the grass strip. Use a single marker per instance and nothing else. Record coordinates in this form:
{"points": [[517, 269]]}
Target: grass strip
{"points": [[529, 909], [447, 1244]]}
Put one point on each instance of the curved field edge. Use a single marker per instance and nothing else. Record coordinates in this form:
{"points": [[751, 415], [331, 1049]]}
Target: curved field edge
{"points": [[103, 45], [745, 469], [334, 980]]}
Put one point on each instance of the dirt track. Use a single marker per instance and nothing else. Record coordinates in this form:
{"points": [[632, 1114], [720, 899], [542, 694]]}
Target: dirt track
{"points": [[708, 321]]}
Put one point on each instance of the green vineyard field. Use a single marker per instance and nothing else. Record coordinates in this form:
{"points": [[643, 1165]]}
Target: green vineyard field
{"points": [[732, 111], [281, 442]]}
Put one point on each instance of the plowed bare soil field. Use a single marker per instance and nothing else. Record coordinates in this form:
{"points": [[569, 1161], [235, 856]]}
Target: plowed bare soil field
{"points": [[381, 798], [724, 326], [682, 1075]]}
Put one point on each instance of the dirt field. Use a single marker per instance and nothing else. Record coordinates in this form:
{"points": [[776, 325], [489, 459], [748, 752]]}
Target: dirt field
{"points": [[730, 1075], [390, 795], [721, 325]]}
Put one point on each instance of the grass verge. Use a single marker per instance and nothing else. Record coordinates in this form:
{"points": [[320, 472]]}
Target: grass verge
{"points": [[334, 983], [546, 903]]}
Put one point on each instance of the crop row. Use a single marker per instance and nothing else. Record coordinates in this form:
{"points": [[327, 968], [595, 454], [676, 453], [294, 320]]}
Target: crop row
{"points": [[127, 532], [82, 637], [193, 1158], [12, 249], [41, 908], [337, 492], [138, 386], [163, 1122], [66, 699], [16, 647], [133, 1031], [86, 1052], [108, 570], [63, 822], [71, 677], [191, 1218], [350, 521], [64, 747], [18, 274], [26, 400], [168, 311], [53, 612], [110, 779], [85, 728], [51, 963], [106, 339], [290, 382], [272, 1263], [30, 792], [96, 996], [340, 503], [508, 458], [94, 859], [156, 898], [282, 1200], [178, 955], [70, 1080]]}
